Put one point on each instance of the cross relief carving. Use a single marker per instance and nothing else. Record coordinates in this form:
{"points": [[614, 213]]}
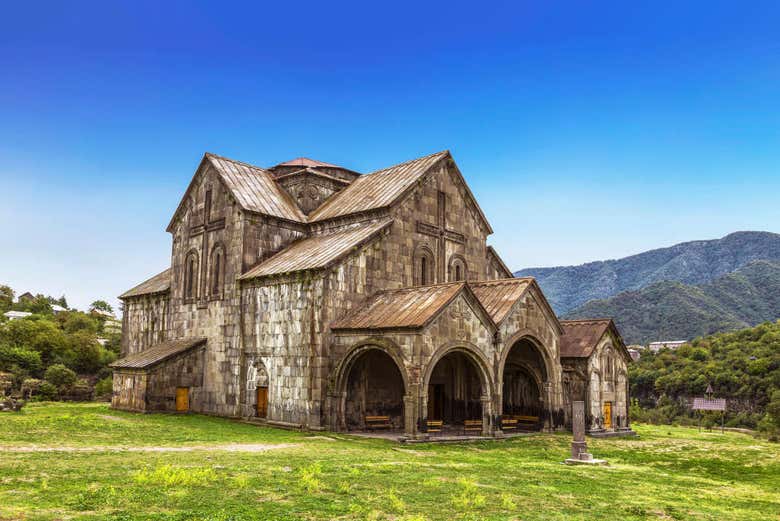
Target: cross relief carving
{"points": [[441, 234], [458, 313], [208, 225]]}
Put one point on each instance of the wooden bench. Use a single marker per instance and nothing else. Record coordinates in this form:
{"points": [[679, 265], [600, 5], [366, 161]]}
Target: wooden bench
{"points": [[472, 426], [527, 421], [508, 424], [434, 426], [377, 422]]}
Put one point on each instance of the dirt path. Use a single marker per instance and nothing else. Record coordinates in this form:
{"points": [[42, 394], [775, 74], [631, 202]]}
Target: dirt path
{"points": [[229, 447]]}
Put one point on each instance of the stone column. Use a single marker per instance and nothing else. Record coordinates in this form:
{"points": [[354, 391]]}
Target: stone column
{"points": [[487, 415], [410, 414], [548, 404], [421, 416], [578, 446]]}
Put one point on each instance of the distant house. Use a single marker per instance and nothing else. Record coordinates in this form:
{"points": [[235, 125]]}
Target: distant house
{"points": [[13, 315], [106, 314], [670, 344], [57, 308], [26, 297], [635, 352]]}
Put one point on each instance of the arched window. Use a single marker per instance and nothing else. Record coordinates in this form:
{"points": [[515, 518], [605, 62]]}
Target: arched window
{"points": [[191, 276], [217, 270], [457, 269], [423, 266]]}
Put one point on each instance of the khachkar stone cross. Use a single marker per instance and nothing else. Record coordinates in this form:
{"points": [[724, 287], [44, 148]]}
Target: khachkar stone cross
{"points": [[208, 225], [579, 447], [442, 234]]}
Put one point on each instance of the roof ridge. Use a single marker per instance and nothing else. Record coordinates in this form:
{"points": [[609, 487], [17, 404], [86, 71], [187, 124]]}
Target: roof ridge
{"points": [[211, 154], [583, 320], [496, 282], [421, 158]]}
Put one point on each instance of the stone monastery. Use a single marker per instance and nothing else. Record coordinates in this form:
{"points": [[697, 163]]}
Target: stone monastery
{"points": [[309, 295]]}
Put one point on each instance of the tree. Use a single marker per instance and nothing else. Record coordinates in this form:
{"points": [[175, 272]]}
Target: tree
{"points": [[6, 298], [773, 409], [60, 376], [101, 305]]}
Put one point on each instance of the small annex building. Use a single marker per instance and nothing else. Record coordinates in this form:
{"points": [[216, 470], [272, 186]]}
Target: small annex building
{"points": [[312, 296], [594, 360]]}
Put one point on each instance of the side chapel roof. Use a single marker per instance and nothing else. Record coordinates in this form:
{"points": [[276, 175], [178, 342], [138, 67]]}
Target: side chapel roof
{"points": [[160, 283], [581, 337], [157, 354]]}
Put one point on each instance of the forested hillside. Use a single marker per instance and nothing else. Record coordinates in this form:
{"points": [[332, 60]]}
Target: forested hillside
{"points": [[673, 310], [743, 367], [693, 263]]}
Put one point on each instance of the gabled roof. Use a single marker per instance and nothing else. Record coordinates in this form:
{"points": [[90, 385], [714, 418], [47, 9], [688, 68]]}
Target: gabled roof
{"points": [[317, 252], [376, 190], [498, 296], [160, 283], [305, 161], [407, 308], [581, 337], [492, 253], [252, 187], [313, 173], [157, 354]]}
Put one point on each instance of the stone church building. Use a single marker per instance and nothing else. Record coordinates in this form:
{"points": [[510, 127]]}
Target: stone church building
{"points": [[309, 295]]}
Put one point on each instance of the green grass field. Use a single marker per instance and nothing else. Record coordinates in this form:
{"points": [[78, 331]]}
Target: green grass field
{"points": [[112, 465]]}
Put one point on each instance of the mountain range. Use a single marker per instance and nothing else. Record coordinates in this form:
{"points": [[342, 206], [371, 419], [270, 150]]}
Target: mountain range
{"points": [[690, 289]]}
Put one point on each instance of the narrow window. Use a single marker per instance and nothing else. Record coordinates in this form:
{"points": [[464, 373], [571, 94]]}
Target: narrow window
{"points": [[423, 271], [215, 282], [189, 277], [207, 209], [458, 274]]}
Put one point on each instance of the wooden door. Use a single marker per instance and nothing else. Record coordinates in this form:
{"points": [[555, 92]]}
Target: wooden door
{"points": [[262, 402], [182, 399], [607, 415]]}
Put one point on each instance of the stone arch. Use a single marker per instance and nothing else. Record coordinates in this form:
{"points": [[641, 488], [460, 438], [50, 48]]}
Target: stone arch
{"points": [[424, 266], [371, 380], [525, 372], [457, 269], [457, 385]]}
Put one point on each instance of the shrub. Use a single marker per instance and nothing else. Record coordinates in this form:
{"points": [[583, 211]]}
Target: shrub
{"points": [[18, 357], [104, 387], [60, 376], [47, 391]]}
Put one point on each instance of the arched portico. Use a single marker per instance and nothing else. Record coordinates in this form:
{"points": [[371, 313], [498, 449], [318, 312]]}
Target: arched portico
{"points": [[372, 380], [525, 373], [456, 387]]}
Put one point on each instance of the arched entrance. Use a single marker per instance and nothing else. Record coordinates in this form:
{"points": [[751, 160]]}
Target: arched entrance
{"points": [[374, 387], [257, 389], [522, 392], [456, 392]]}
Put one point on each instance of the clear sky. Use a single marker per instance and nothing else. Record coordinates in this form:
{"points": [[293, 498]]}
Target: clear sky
{"points": [[587, 130]]}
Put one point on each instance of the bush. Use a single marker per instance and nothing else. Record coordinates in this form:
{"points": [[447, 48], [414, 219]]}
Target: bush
{"points": [[60, 376], [12, 358], [47, 391], [104, 387]]}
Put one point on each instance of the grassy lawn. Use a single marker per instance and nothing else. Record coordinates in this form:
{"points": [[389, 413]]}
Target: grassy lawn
{"points": [[100, 471]]}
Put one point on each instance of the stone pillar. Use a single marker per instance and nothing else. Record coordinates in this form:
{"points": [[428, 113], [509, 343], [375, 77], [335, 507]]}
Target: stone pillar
{"points": [[578, 446], [410, 414], [548, 405], [487, 415], [421, 416]]}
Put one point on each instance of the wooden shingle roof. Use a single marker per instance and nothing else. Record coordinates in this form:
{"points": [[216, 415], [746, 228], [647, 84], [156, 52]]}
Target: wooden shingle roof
{"points": [[160, 283], [317, 252], [158, 354]]}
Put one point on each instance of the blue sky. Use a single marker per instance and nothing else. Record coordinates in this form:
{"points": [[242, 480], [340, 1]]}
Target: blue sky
{"points": [[587, 130]]}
